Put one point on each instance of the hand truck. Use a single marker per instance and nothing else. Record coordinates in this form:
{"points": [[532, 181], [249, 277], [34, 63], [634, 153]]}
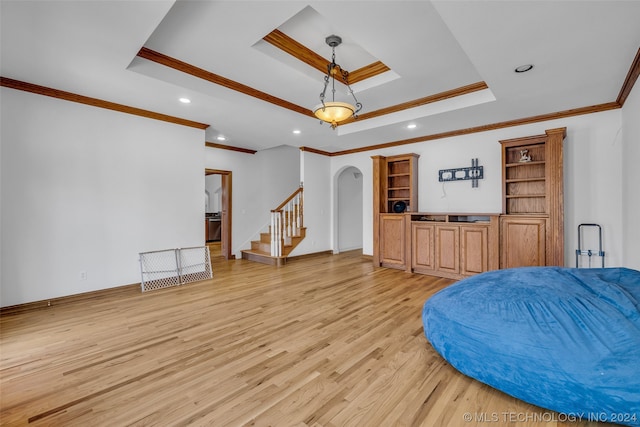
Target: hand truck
{"points": [[589, 252]]}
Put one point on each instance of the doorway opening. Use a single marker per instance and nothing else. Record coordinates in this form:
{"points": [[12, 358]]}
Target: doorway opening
{"points": [[218, 191], [348, 229]]}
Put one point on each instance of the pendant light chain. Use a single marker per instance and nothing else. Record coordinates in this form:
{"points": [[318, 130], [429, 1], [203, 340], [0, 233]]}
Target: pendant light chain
{"points": [[331, 111], [332, 68]]}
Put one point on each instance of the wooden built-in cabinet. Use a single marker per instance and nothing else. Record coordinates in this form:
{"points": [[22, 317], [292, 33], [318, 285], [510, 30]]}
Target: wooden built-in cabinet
{"points": [[531, 227], [453, 246], [395, 179], [423, 247], [478, 248], [392, 241], [448, 249], [529, 232], [526, 240]]}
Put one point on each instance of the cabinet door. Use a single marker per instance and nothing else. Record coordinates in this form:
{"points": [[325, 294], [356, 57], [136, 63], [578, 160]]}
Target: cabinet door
{"points": [[474, 249], [422, 247], [392, 240], [447, 249], [523, 242]]}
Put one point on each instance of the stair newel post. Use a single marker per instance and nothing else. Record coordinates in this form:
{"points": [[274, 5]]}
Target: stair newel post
{"points": [[279, 234], [294, 218], [296, 214], [301, 210], [272, 233]]}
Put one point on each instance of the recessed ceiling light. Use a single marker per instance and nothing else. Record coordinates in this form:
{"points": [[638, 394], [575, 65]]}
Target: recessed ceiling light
{"points": [[185, 100], [523, 68], [221, 138], [297, 131], [411, 126]]}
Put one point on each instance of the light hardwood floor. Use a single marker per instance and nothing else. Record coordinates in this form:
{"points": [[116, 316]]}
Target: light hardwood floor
{"points": [[323, 341]]}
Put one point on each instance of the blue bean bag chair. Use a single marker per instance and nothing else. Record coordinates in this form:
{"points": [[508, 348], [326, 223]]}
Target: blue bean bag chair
{"points": [[564, 339]]}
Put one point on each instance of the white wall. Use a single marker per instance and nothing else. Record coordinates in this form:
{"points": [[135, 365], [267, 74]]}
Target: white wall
{"points": [[593, 157], [260, 182], [593, 178], [631, 181], [279, 174], [84, 190], [315, 174]]}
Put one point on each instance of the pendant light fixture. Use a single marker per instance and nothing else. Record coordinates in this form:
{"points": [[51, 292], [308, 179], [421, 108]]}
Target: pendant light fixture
{"points": [[334, 112]]}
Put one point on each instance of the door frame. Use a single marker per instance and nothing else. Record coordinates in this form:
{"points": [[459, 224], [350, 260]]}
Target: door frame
{"points": [[225, 219]]}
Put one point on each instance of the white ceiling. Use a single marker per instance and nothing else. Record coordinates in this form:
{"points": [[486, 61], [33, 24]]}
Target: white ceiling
{"points": [[582, 51]]}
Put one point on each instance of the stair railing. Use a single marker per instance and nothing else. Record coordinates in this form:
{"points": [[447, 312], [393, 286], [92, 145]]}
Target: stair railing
{"points": [[286, 221]]}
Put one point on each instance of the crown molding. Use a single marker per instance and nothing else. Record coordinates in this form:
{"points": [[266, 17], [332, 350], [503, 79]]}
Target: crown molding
{"points": [[630, 80], [484, 128], [176, 64], [452, 93], [627, 86], [187, 68], [316, 151], [302, 53], [95, 102], [229, 147]]}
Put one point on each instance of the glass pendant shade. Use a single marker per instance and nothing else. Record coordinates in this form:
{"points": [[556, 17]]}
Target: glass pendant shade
{"points": [[334, 112]]}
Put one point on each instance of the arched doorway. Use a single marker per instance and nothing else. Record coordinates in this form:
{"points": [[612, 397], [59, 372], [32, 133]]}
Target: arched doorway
{"points": [[349, 211]]}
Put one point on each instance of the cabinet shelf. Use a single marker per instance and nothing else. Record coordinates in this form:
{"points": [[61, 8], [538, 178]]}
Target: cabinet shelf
{"points": [[523, 196], [524, 180], [400, 182], [518, 164]]}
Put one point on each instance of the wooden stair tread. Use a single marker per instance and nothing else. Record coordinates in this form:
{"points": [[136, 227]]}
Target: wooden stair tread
{"points": [[263, 257], [261, 249]]}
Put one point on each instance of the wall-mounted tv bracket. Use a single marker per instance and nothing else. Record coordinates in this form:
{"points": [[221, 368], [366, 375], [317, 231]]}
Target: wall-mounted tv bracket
{"points": [[474, 173]]}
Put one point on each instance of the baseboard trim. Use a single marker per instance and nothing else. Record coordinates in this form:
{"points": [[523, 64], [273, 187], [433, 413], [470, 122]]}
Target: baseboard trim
{"points": [[311, 255], [85, 296], [125, 289]]}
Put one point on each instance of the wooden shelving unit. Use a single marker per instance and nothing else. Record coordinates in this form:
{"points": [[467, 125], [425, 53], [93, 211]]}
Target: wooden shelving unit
{"points": [[395, 179], [532, 203], [401, 182], [525, 182]]}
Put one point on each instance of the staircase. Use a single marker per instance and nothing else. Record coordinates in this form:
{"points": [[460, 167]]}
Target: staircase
{"points": [[286, 231]]}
